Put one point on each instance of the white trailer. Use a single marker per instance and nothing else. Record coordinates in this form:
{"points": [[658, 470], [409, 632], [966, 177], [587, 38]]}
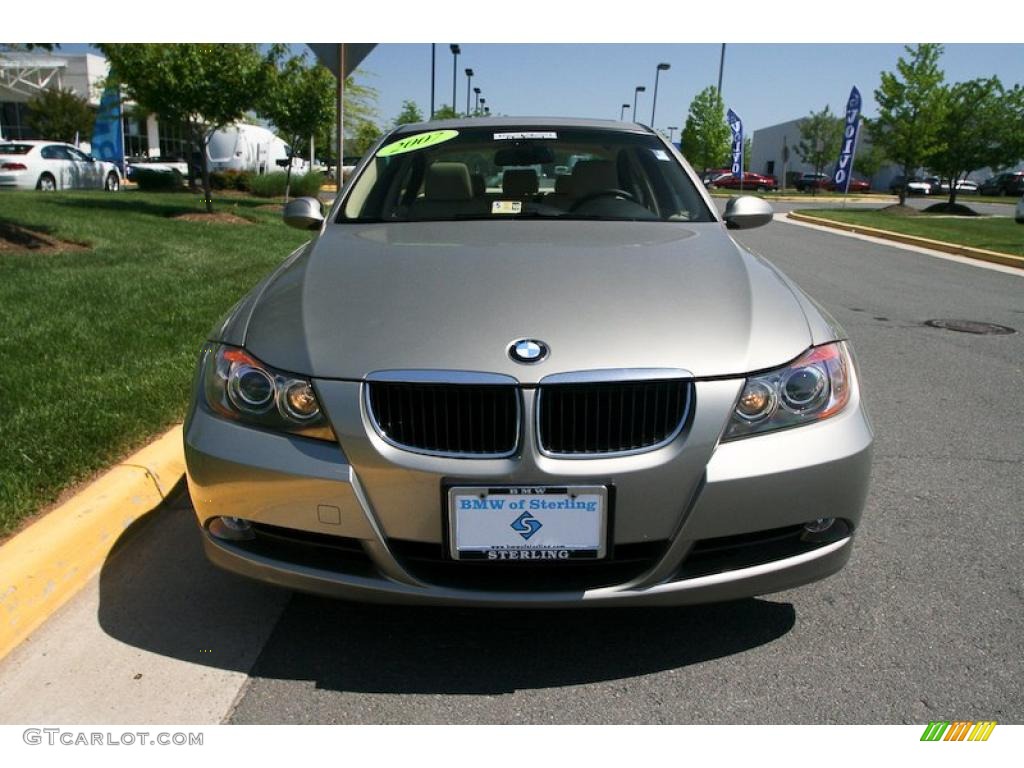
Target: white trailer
{"points": [[253, 148]]}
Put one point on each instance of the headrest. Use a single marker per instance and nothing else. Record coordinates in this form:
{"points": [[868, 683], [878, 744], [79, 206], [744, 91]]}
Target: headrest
{"points": [[448, 181], [563, 184], [589, 176], [519, 182]]}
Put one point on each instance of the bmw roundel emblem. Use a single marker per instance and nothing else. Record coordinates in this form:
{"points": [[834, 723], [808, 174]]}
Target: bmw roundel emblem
{"points": [[528, 351]]}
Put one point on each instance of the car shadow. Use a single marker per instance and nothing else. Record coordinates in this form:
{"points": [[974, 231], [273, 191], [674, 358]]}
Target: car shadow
{"points": [[160, 594], [189, 203]]}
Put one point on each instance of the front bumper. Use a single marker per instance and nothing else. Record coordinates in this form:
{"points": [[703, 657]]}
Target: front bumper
{"points": [[363, 520]]}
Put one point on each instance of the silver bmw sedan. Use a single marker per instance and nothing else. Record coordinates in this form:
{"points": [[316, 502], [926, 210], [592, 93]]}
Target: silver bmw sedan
{"points": [[522, 363]]}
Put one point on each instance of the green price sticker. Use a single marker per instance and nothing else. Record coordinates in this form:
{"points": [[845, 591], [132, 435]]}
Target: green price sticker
{"points": [[417, 141]]}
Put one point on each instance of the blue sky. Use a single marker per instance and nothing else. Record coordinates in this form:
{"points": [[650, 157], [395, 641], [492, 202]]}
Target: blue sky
{"points": [[764, 83]]}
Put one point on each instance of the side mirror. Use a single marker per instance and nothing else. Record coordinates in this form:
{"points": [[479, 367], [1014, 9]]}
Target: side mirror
{"points": [[304, 213], [747, 212]]}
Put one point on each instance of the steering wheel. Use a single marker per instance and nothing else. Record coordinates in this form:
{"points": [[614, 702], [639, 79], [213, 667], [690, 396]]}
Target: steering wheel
{"points": [[604, 193]]}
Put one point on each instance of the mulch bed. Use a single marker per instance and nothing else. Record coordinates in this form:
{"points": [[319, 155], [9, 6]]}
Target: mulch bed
{"points": [[17, 238], [951, 209], [901, 210]]}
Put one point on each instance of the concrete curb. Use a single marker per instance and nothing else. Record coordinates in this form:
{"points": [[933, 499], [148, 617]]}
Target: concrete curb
{"points": [[46, 564], [994, 257]]}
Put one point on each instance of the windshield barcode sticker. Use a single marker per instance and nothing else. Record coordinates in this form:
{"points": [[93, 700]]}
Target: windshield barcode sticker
{"points": [[525, 135]]}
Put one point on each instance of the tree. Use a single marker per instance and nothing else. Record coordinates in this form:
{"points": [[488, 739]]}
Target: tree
{"points": [[299, 100], [868, 158], [204, 86], [706, 137], [360, 107], [444, 112], [976, 130], [410, 114], [821, 133], [910, 110], [748, 150], [60, 115], [366, 136]]}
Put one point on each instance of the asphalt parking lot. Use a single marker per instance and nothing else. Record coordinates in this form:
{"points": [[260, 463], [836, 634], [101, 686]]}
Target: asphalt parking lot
{"points": [[926, 622]]}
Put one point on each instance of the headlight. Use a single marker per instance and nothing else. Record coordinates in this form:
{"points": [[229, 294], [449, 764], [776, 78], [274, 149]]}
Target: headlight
{"points": [[240, 387], [812, 388]]}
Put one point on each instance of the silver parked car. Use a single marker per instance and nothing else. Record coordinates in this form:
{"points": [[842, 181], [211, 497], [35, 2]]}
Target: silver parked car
{"points": [[470, 388], [52, 165]]}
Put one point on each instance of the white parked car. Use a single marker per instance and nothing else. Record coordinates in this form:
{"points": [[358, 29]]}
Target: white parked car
{"points": [[50, 165]]}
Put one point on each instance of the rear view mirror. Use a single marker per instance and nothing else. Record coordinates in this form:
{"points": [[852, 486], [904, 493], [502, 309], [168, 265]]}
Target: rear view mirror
{"points": [[304, 213], [747, 212]]}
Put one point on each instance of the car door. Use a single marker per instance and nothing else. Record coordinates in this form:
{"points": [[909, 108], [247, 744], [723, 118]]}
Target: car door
{"points": [[88, 173], [57, 162]]}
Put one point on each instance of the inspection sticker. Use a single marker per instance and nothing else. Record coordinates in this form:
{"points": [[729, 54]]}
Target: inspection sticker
{"points": [[661, 154], [417, 141], [526, 135], [506, 206]]}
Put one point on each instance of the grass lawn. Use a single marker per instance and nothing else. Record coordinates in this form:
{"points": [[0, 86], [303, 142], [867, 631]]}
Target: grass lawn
{"points": [[1001, 234], [98, 345]]}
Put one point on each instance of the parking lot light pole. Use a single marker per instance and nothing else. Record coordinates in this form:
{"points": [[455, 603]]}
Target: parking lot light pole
{"points": [[671, 131], [654, 105], [622, 112], [476, 105], [456, 50], [469, 82], [721, 67], [433, 76], [639, 89]]}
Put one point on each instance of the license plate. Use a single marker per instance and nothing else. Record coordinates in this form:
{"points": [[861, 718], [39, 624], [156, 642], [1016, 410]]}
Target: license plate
{"points": [[529, 524]]}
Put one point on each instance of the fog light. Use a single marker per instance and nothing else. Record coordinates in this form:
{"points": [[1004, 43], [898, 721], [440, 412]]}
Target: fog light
{"points": [[820, 525], [231, 529]]}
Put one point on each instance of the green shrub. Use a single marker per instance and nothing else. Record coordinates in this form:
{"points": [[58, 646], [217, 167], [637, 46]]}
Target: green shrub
{"points": [[150, 180], [273, 184], [230, 180]]}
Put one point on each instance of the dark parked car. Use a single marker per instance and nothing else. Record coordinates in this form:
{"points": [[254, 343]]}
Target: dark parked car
{"points": [[1004, 184], [751, 180], [809, 181]]}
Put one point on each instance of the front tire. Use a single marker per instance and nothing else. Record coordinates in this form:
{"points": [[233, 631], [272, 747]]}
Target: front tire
{"points": [[113, 183], [46, 183]]}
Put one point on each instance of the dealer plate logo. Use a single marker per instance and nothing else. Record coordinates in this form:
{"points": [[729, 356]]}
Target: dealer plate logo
{"points": [[526, 525]]}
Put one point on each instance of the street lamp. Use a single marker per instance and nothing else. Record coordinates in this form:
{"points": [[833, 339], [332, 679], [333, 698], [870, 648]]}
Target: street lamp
{"points": [[639, 89], [671, 130], [622, 112], [476, 106], [483, 101], [469, 80], [721, 67], [661, 68], [433, 76], [456, 50]]}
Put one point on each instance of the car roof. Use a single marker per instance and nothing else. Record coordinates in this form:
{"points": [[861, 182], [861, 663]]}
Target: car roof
{"points": [[522, 122]]}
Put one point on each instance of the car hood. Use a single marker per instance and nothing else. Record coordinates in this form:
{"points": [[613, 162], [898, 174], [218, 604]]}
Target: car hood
{"points": [[454, 295]]}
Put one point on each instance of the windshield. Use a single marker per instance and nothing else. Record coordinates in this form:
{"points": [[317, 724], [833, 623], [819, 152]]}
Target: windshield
{"points": [[499, 173]]}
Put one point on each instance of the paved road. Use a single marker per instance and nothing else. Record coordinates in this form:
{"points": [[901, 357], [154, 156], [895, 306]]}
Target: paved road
{"points": [[926, 622]]}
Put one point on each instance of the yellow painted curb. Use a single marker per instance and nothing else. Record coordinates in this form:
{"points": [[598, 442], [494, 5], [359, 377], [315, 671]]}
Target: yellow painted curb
{"points": [[46, 564], [996, 257]]}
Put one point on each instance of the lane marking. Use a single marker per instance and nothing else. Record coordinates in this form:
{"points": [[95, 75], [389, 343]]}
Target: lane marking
{"points": [[782, 217]]}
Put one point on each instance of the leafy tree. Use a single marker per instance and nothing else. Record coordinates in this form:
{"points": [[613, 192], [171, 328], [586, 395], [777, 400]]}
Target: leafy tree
{"points": [[299, 100], [869, 157], [444, 112], [821, 133], [748, 150], [360, 107], [59, 114], [410, 114], [706, 136], [910, 110], [976, 130], [206, 86], [366, 136]]}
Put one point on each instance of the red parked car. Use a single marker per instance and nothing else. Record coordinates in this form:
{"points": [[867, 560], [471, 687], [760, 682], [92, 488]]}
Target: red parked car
{"points": [[751, 180], [856, 185]]}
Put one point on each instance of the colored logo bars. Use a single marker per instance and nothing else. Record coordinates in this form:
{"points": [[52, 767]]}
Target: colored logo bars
{"points": [[736, 126], [844, 168], [958, 730]]}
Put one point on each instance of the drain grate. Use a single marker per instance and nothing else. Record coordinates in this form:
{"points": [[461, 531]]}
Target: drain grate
{"points": [[971, 326]]}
